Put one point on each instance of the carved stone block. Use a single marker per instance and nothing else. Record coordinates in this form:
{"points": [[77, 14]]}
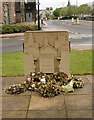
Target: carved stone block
{"points": [[64, 62], [29, 64], [46, 51]]}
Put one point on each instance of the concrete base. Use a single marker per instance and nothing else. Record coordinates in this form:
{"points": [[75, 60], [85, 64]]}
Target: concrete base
{"points": [[77, 104]]}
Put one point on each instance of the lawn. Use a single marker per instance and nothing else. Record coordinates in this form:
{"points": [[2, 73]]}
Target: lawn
{"points": [[12, 64], [80, 63]]}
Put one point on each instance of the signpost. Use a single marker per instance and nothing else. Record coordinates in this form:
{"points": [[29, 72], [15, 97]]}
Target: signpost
{"points": [[38, 16]]}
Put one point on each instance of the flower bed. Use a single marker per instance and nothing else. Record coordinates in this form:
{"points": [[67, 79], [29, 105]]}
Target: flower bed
{"points": [[47, 85]]}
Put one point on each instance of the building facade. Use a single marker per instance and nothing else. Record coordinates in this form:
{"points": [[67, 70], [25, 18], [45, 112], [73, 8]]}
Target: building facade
{"points": [[30, 11], [17, 12]]}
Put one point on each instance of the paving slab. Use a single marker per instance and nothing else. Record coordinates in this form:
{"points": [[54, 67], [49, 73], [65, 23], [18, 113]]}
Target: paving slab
{"points": [[25, 94], [90, 78], [6, 81], [84, 78], [47, 114], [0, 103], [93, 114], [93, 102], [15, 103], [14, 114], [0, 86], [40, 103], [0, 114], [11, 35], [66, 105], [80, 114], [78, 102], [86, 90]]}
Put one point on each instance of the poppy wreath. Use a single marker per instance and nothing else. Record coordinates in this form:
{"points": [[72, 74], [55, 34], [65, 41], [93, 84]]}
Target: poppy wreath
{"points": [[47, 85]]}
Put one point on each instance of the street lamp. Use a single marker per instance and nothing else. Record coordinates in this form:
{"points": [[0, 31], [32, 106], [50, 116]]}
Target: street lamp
{"points": [[38, 16]]}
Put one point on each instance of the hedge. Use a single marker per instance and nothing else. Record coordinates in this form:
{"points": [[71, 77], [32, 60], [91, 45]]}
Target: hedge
{"points": [[13, 28]]}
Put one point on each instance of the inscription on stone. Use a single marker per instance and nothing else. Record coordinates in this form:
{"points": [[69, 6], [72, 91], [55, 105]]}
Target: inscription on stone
{"points": [[46, 63]]}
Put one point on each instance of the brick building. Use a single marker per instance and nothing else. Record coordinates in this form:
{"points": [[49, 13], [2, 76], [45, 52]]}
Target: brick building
{"points": [[16, 12]]}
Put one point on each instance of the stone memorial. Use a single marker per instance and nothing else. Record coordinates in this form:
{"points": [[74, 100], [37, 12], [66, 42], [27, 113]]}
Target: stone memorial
{"points": [[46, 51]]}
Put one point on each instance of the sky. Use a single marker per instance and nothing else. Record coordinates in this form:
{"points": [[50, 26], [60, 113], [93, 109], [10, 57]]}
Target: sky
{"points": [[59, 3]]}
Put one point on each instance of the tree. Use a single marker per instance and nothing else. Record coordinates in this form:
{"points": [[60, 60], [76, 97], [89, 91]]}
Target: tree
{"points": [[84, 9], [92, 12], [51, 8], [64, 11], [47, 8], [73, 10], [56, 12], [69, 11]]}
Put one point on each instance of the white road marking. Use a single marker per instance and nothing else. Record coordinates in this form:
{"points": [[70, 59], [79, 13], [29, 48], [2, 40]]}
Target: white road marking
{"points": [[21, 39]]}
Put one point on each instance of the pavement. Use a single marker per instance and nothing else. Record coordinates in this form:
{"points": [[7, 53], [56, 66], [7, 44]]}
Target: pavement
{"points": [[11, 35], [77, 104]]}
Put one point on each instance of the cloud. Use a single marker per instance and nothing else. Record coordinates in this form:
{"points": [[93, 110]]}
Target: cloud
{"points": [[60, 3]]}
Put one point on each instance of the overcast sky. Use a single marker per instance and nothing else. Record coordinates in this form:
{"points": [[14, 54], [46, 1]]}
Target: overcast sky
{"points": [[60, 3]]}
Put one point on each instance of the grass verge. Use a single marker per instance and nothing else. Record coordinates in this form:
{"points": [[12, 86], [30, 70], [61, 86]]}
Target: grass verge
{"points": [[80, 63], [12, 64]]}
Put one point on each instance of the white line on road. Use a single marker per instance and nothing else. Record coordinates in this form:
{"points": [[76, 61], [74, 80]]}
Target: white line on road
{"points": [[82, 44], [21, 39]]}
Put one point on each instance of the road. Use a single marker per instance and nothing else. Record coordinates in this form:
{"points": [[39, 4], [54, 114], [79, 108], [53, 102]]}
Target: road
{"points": [[82, 28], [78, 34], [12, 44]]}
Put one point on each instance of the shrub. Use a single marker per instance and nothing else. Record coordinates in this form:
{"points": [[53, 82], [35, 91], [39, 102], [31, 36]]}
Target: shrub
{"points": [[33, 27], [0, 30], [20, 28], [7, 29], [14, 28]]}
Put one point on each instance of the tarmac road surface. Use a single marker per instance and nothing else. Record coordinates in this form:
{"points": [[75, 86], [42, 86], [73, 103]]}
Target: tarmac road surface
{"points": [[80, 36]]}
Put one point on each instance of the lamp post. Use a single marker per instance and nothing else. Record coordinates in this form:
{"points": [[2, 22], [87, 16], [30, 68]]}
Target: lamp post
{"points": [[38, 16]]}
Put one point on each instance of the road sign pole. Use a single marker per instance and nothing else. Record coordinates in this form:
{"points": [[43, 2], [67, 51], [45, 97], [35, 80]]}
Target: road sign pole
{"points": [[38, 16]]}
